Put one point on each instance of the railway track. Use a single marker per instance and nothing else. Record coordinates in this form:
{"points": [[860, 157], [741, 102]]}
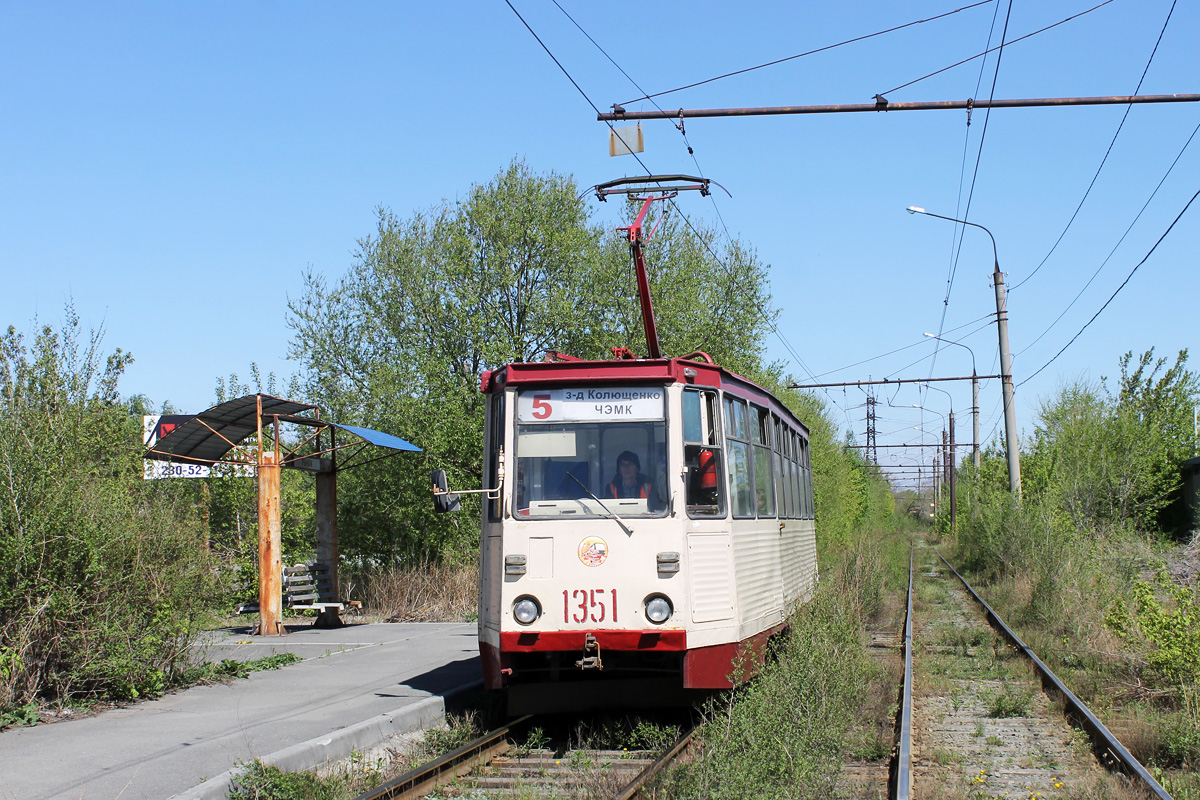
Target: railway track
{"points": [[494, 765], [982, 716]]}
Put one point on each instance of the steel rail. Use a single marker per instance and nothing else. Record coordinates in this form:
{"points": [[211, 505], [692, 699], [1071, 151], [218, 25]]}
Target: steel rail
{"points": [[634, 789], [1115, 751], [427, 777], [904, 777]]}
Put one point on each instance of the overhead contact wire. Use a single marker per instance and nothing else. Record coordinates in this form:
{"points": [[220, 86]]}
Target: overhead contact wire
{"points": [[1111, 252], [1116, 292], [807, 53], [1103, 160]]}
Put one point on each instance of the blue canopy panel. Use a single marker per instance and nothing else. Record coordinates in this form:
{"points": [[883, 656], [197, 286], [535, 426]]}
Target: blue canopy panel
{"points": [[376, 437]]}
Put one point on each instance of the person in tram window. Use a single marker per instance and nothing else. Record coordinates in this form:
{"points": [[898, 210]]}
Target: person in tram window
{"points": [[629, 480]]}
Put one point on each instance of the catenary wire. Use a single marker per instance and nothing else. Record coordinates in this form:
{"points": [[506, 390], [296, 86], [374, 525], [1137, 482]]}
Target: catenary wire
{"points": [[959, 230], [1115, 246], [684, 216], [678, 125], [898, 349], [783, 339], [975, 174], [1104, 160], [802, 55], [686, 219], [998, 47], [1117, 291]]}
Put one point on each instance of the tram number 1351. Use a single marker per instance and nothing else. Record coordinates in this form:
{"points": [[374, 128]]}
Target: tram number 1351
{"points": [[589, 605]]}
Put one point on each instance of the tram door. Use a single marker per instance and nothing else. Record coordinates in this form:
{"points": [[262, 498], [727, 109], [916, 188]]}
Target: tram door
{"points": [[706, 504]]}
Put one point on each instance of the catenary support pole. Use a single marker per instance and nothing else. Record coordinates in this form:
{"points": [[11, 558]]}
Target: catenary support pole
{"points": [[1006, 380]]}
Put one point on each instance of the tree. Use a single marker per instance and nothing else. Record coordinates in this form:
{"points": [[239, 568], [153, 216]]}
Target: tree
{"points": [[514, 269]]}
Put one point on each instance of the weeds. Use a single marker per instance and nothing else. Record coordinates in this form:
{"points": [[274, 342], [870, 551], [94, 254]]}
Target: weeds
{"points": [[1009, 703], [783, 734], [425, 592]]}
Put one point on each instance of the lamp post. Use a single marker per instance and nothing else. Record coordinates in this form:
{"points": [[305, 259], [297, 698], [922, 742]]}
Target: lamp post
{"points": [[974, 399], [1010, 412]]}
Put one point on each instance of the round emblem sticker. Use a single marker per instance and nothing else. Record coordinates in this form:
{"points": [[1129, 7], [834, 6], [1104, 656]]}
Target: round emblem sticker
{"points": [[592, 551]]}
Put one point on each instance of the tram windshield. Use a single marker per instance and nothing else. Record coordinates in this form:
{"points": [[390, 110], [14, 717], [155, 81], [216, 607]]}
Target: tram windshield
{"points": [[584, 452]]}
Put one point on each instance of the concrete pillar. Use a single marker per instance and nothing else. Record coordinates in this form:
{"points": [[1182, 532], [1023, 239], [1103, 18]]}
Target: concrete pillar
{"points": [[327, 545]]}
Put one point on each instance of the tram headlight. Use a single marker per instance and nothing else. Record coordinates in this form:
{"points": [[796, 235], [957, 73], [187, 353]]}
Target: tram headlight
{"points": [[526, 610], [658, 609]]}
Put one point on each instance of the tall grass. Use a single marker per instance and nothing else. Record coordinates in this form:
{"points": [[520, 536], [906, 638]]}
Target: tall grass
{"points": [[783, 734], [423, 592], [1084, 564]]}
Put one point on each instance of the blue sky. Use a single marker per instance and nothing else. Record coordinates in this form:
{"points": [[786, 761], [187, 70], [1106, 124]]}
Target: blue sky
{"points": [[173, 169]]}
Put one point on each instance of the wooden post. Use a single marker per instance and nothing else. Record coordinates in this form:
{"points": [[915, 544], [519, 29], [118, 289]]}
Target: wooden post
{"points": [[327, 545], [270, 555]]}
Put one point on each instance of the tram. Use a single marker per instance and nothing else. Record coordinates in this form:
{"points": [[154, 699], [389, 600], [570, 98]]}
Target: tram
{"points": [[648, 524]]}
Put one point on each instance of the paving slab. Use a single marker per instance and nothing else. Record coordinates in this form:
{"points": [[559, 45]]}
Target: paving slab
{"points": [[352, 680]]}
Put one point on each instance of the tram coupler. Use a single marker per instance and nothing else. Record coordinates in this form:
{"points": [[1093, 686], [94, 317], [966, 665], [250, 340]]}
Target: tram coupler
{"points": [[591, 654]]}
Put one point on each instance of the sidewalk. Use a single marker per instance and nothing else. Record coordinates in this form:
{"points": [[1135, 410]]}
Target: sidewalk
{"points": [[354, 683]]}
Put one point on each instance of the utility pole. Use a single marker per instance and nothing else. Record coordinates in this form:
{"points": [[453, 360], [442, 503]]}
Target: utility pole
{"points": [[1006, 381], [1010, 411], [975, 419], [872, 454], [953, 477]]}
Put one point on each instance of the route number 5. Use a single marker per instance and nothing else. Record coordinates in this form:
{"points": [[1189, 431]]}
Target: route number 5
{"points": [[541, 406]]}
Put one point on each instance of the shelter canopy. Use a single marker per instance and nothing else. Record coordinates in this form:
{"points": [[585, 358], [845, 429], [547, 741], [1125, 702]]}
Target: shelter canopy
{"points": [[208, 437]]}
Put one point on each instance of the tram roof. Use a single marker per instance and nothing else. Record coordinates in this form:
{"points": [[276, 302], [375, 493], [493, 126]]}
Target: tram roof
{"points": [[624, 370]]}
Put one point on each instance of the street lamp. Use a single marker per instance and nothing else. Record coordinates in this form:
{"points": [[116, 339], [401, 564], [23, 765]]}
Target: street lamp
{"points": [[1010, 412], [974, 398]]}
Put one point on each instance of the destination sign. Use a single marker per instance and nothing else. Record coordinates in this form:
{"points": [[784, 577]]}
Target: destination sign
{"points": [[609, 404]]}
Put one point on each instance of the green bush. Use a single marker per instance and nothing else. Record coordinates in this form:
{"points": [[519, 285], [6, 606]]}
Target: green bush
{"points": [[104, 581]]}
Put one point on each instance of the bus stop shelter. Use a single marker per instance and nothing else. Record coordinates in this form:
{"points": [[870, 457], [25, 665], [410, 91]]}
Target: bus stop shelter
{"points": [[244, 434]]}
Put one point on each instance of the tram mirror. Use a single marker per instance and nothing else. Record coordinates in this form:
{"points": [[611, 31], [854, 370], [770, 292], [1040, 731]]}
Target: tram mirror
{"points": [[443, 499]]}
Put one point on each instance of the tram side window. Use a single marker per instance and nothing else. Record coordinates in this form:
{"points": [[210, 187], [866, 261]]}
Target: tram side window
{"points": [[764, 482], [495, 445], [783, 482], [741, 478], [702, 454], [801, 480], [806, 480]]}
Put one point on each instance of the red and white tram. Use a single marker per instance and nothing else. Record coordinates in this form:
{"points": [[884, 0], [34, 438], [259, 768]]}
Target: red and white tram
{"points": [[652, 528]]}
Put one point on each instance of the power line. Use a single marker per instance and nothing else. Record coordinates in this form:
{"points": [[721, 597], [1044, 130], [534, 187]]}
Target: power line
{"points": [[1000, 47], [959, 230], [1111, 252], [975, 175], [801, 55], [898, 349], [1114, 294], [770, 323], [1103, 160]]}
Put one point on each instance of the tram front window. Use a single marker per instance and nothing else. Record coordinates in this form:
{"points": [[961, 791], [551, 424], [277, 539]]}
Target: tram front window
{"points": [[591, 452]]}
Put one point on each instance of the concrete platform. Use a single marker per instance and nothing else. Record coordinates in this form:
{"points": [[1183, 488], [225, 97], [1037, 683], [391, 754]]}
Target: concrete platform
{"points": [[356, 683]]}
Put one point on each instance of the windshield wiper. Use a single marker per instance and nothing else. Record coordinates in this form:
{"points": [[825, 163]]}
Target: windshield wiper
{"points": [[611, 514]]}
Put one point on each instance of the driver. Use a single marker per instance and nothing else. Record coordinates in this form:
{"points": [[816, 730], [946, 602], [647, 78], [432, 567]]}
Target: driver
{"points": [[629, 481]]}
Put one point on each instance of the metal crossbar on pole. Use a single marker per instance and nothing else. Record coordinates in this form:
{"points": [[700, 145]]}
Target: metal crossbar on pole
{"points": [[887, 381], [882, 104]]}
